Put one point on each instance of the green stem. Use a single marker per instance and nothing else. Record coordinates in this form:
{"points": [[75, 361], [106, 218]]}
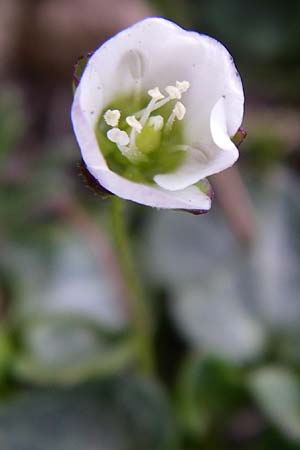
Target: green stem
{"points": [[140, 314]]}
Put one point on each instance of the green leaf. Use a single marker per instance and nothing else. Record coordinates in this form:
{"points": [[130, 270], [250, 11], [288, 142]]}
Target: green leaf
{"points": [[208, 389], [124, 413], [6, 354], [277, 392], [68, 350], [79, 68], [12, 120]]}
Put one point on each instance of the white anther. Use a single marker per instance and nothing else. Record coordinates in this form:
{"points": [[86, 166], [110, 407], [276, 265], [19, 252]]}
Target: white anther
{"points": [[134, 123], [183, 86], [157, 122], [112, 117], [156, 94], [179, 110], [118, 136], [173, 92]]}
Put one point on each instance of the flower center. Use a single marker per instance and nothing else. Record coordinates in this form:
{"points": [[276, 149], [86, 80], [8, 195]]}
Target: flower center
{"points": [[140, 142]]}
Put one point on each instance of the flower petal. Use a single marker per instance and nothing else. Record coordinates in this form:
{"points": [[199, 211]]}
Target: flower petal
{"points": [[140, 55], [191, 198], [85, 135], [215, 76], [205, 160]]}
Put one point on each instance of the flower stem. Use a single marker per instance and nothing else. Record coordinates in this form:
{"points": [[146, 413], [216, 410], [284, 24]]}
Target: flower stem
{"points": [[140, 314]]}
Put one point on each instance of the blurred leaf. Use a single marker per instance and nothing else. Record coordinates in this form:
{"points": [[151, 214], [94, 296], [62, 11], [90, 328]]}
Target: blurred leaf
{"points": [[6, 354], [208, 389], [12, 119], [275, 252], [120, 414], [67, 351], [69, 314], [212, 317], [277, 391], [179, 247], [264, 149], [67, 277]]}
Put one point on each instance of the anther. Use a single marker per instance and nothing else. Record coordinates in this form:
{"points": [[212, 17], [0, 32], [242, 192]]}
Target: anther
{"points": [[112, 117], [173, 92], [157, 122], [134, 123], [118, 136], [156, 94], [179, 110], [183, 86]]}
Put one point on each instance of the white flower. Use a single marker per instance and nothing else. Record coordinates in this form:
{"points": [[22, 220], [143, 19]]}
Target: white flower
{"points": [[154, 113]]}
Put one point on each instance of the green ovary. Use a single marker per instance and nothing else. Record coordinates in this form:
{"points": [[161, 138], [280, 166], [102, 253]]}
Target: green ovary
{"points": [[157, 150]]}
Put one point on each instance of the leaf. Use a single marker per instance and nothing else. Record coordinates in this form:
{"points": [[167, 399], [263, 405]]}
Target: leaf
{"points": [[181, 247], [67, 278], [79, 68], [277, 392], [212, 317], [207, 390], [275, 252], [12, 119], [125, 413], [70, 350]]}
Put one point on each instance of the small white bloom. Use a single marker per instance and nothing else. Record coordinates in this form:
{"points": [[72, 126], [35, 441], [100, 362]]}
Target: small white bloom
{"points": [[191, 123]]}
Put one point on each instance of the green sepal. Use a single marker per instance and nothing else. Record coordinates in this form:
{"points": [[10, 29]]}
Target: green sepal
{"points": [[79, 68]]}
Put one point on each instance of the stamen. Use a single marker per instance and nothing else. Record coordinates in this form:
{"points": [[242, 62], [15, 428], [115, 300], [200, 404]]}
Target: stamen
{"points": [[158, 99], [179, 110], [126, 141], [156, 94], [112, 117], [183, 86], [157, 122], [134, 123], [118, 136], [173, 92]]}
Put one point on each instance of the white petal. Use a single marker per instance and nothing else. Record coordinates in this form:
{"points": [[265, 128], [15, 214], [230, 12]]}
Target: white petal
{"points": [[190, 198], [216, 155], [164, 53], [84, 132]]}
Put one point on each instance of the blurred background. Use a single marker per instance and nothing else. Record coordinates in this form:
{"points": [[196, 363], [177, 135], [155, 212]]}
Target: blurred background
{"points": [[223, 289]]}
